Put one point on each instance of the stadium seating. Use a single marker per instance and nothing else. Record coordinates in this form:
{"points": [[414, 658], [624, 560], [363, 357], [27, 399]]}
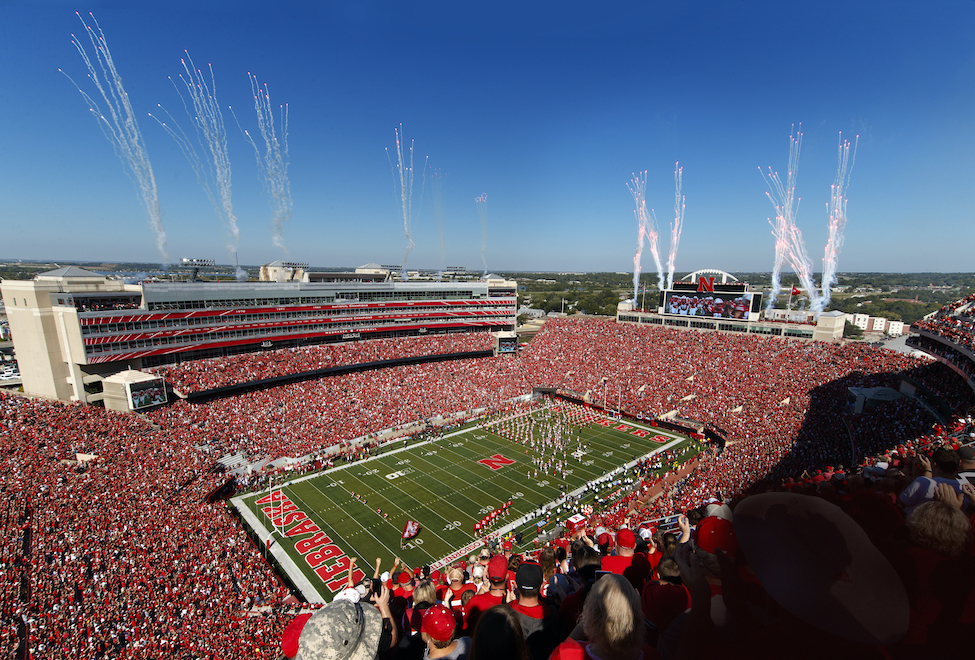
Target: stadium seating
{"points": [[109, 546], [201, 375]]}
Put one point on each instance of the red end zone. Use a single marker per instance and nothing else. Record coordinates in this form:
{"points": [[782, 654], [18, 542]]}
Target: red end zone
{"points": [[327, 560], [626, 428]]}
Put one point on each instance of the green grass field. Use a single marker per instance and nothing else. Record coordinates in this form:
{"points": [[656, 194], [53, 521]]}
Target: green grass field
{"points": [[445, 485]]}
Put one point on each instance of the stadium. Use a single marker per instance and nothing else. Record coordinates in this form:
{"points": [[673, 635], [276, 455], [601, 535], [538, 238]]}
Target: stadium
{"points": [[264, 474]]}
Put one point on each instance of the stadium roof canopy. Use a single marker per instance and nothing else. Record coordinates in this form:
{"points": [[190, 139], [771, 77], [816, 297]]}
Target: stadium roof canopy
{"points": [[68, 271]]}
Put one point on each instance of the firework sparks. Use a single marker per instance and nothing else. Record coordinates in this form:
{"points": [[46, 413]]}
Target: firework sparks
{"points": [[836, 217], [646, 229], [482, 214], [675, 228], [204, 111], [118, 123], [273, 164]]}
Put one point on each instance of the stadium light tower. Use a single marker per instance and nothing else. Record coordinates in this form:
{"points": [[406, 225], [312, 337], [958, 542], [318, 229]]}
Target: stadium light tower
{"points": [[196, 265], [294, 267]]}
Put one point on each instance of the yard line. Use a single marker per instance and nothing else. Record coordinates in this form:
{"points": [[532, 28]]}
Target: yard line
{"points": [[430, 473], [404, 511], [395, 553], [519, 487]]}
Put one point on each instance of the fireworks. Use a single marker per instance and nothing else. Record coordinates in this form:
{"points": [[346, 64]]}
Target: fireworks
{"points": [[789, 245], [204, 111], [836, 216], [482, 215], [403, 175], [675, 228], [646, 229], [273, 165], [786, 206], [119, 124]]}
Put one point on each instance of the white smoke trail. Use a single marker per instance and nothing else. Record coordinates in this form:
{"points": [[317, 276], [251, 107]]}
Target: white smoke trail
{"points": [[637, 188], [836, 219], [403, 174], [482, 215], [782, 196], [120, 126], [646, 228], [204, 112], [273, 166], [675, 228]]}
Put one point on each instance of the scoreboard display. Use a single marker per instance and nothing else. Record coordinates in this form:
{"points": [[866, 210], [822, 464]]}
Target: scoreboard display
{"points": [[507, 345], [708, 299], [146, 394], [712, 305]]}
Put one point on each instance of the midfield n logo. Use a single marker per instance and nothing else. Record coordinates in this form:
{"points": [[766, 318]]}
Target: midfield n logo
{"points": [[496, 462]]}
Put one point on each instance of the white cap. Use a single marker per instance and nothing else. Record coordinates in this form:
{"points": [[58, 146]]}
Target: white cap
{"points": [[349, 593]]}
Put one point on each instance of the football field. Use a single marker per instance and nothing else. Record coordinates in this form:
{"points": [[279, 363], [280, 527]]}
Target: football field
{"points": [[530, 458]]}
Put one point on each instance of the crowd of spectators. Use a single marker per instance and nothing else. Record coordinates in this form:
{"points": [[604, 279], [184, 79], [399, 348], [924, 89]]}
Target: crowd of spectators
{"points": [[200, 375], [874, 561], [303, 418], [947, 352], [115, 553], [955, 322], [111, 550]]}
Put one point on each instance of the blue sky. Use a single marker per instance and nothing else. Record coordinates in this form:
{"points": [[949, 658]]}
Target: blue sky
{"points": [[547, 107]]}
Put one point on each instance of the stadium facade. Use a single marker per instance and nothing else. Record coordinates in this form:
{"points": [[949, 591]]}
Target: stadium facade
{"points": [[72, 328]]}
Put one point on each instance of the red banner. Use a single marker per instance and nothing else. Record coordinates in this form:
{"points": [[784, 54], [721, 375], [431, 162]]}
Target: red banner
{"points": [[411, 529]]}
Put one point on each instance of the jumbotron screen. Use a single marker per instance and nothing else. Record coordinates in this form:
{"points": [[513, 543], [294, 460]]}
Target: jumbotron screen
{"points": [[708, 304], [146, 393], [508, 345]]}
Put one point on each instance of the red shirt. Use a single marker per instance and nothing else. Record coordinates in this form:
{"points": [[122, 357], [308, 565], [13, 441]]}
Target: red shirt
{"points": [[452, 598], [477, 606], [535, 611], [636, 569]]}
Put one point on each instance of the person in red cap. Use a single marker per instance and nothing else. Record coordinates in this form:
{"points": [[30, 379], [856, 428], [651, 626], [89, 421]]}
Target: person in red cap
{"points": [[634, 566], [714, 533], [497, 574], [404, 587], [438, 629]]}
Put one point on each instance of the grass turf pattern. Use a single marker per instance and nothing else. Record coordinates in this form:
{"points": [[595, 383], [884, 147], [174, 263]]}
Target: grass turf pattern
{"points": [[445, 485]]}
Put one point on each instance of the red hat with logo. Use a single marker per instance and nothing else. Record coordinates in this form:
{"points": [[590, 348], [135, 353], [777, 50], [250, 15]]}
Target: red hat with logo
{"points": [[714, 532], [439, 623]]}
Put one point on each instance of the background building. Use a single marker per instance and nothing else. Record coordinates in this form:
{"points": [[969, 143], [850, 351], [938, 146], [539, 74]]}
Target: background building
{"points": [[72, 327]]}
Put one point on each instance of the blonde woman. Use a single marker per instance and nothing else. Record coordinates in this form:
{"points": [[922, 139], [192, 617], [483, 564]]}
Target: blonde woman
{"points": [[611, 626]]}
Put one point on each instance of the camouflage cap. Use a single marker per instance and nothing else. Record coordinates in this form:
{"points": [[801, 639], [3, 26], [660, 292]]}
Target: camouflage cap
{"points": [[341, 630]]}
